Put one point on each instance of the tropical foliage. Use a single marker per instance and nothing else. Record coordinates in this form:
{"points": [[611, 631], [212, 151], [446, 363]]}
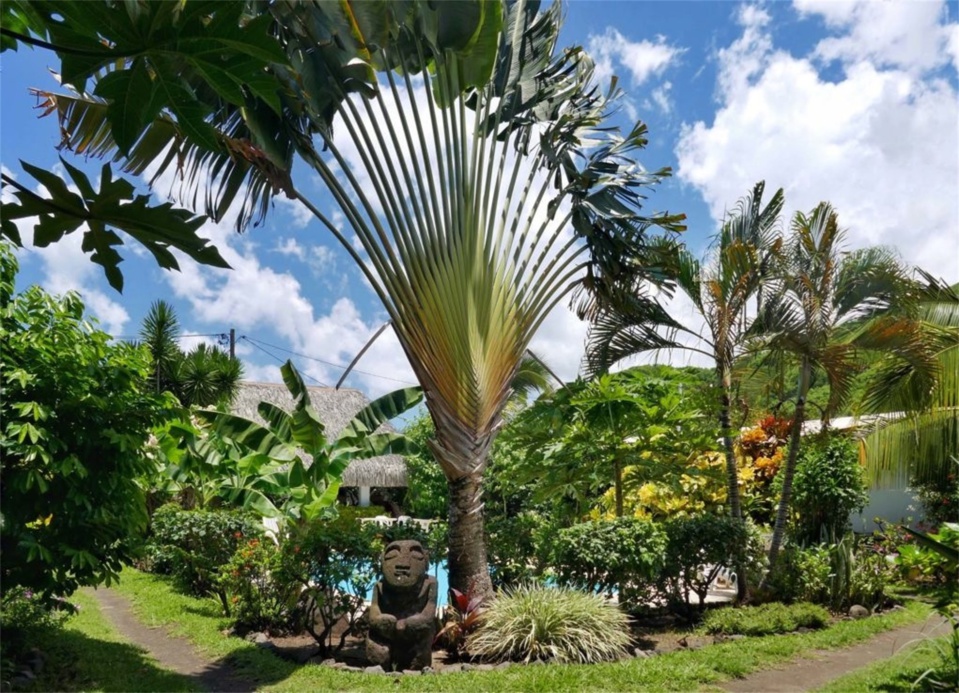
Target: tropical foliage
{"points": [[921, 443], [286, 468], [826, 306], [203, 377], [480, 141], [75, 413], [719, 287]]}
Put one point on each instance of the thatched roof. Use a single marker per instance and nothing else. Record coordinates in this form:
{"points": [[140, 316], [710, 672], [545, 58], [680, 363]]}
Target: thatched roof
{"points": [[336, 408]]}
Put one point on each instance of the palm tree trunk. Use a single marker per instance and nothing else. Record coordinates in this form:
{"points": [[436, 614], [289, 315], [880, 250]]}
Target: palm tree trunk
{"points": [[618, 483], [468, 565], [789, 471], [463, 455], [732, 471], [732, 474]]}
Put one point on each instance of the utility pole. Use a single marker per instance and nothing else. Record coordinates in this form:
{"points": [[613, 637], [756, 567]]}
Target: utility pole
{"points": [[232, 343]]}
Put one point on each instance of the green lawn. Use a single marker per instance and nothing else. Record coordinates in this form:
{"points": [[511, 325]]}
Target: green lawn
{"points": [[199, 620]]}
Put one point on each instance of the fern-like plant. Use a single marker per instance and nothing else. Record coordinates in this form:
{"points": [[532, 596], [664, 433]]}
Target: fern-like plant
{"points": [[531, 622]]}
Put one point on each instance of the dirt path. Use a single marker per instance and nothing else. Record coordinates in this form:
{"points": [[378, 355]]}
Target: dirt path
{"points": [[171, 652], [809, 674]]}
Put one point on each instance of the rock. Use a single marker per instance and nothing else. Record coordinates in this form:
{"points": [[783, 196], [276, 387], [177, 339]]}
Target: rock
{"points": [[375, 669], [737, 636], [858, 611], [504, 665], [329, 663], [640, 653], [536, 662], [413, 672], [485, 667], [260, 638], [353, 669], [803, 629], [428, 670], [228, 632], [466, 667]]}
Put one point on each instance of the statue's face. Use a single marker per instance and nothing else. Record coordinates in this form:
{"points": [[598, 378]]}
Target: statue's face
{"points": [[405, 563]]}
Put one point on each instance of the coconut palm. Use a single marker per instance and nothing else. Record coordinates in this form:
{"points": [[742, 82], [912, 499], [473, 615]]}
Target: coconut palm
{"points": [[922, 440], [825, 307], [719, 288], [483, 188]]}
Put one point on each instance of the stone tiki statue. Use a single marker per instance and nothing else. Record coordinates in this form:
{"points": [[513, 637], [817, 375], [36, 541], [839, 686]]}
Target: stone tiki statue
{"points": [[403, 612]]}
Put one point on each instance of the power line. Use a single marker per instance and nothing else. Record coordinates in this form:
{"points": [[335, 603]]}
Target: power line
{"points": [[329, 363], [281, 360]]}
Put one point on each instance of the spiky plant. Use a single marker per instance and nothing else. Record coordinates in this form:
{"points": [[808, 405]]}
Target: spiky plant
{"points": [[532, 622]]}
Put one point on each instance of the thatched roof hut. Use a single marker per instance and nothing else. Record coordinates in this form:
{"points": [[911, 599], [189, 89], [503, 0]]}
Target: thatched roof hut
{"points": [[336, 408]]}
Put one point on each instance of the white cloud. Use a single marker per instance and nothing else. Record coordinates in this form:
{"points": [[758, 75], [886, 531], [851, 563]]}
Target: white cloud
{"points": [[880, 144], [905, 35], [290, 246], [640, 59]]}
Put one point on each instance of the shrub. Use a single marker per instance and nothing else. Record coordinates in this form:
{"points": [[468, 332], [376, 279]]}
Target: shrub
{"points": [[75, 414], [697, 549], [258, 599], [192, 545], [837, 575], [24, 616], [939, 499], [334, 562], [531, 622], [512, 542], [625, 554], [827, 487], [767, 619]]}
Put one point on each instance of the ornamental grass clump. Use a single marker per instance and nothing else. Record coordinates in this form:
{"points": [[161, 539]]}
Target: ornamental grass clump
{"points": [[767, 619], [531, 622]]}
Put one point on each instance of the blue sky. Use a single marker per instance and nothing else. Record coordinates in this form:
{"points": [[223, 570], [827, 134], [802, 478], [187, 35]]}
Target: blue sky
{"points": [[851, 102]]}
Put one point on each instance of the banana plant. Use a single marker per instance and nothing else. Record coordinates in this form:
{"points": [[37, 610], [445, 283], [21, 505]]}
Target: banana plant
{"points": [[287, 468]]}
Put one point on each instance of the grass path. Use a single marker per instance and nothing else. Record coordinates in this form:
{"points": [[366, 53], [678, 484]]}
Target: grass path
{"points": [[172, 653]]}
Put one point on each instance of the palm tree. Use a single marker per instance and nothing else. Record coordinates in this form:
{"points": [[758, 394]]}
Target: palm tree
{"points": [[824, 307], [719, 288], [202, 377], [483, 190], [921, 442]]}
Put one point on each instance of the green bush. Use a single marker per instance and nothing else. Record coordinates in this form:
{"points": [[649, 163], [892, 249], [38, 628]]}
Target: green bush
{"points": [[697, 549], [511, 543], [836, 575], [767, 619], [334, 561], [76, 410], [625, 554], [532, 622], [828, 487], [192, 545], [258, 598], [24, 617]]}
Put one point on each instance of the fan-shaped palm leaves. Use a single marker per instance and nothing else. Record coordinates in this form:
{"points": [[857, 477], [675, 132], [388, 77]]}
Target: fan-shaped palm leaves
{"points": [[482, 185]]}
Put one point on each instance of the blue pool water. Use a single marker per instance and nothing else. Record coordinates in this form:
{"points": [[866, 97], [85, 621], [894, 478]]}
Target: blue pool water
{"points": [[439, 571]]}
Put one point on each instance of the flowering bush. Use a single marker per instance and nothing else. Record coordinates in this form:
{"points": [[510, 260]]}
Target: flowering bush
{"points": [[256, 598]]}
